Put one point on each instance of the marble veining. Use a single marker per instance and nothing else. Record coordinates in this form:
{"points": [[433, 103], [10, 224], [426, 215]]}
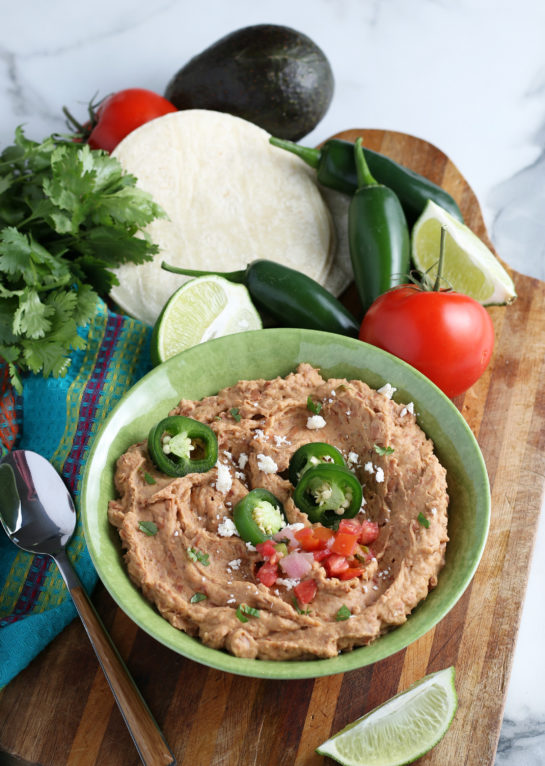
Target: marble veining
{"points": [[467, 75]]}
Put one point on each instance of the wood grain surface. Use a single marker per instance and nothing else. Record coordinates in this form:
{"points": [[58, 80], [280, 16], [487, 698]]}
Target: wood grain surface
{"points": [[60, 712]]}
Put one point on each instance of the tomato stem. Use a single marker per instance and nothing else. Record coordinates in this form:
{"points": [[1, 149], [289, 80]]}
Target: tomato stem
{"points": [[437, 283]]}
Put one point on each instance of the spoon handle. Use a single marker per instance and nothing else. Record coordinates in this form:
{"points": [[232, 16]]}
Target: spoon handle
{"points": [[146, 735]]}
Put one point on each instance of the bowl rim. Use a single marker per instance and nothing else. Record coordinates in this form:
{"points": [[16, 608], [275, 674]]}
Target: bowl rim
{"points": [[381, 648]]}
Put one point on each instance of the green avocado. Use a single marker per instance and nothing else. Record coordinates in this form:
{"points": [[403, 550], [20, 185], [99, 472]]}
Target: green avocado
{"points": [[270, 75]]}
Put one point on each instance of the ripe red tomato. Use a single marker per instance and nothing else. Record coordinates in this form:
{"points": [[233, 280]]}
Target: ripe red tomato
{"points": [[446, 335], [124, 111]]}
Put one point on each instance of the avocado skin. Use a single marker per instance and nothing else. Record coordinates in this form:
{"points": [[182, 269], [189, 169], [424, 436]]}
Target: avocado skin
{"points": [[270, 75]]}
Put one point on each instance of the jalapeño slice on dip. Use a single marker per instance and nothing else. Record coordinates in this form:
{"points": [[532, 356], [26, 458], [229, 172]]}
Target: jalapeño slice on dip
{"points": [[310, 455], [327, 493], [179, 445]]}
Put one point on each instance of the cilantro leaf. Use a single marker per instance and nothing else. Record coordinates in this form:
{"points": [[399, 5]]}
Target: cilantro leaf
{"points": [[313, 406], [383, 450], [194, 554], [244, 611], [149, 528], [196, 597], [343, 613], [423, 521]]}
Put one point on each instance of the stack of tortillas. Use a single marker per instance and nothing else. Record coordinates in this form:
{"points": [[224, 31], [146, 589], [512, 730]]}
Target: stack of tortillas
{"points": [[230, 198]]}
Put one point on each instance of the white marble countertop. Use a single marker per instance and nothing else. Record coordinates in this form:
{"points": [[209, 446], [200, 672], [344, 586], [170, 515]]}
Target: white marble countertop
{"points": [[469, 76]]}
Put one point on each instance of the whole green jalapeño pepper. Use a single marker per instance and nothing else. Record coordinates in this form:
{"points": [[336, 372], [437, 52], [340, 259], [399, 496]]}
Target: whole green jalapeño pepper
{"points": [[310, 455], [179, 445], [378, 235], [258, 516], [327, 493], [291, 297], [336, 169]]}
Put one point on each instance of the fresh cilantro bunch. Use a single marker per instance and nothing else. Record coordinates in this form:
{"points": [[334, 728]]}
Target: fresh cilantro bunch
{"points": [[68, 216]]}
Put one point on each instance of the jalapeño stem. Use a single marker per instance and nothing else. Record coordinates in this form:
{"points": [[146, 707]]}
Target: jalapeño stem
{"points": [[362, 168], [231, 276], [310, 156]]}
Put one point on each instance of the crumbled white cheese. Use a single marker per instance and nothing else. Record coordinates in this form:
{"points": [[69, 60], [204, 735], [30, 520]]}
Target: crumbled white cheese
{"points": [[231, 601], [224, 481], [281, 440], [295, 527], [315, 422], [348, 413], [227, 528], [369, 467], [387, 390], [408, 408], [266, 464], [288, 582], [260, 434], [240, 475], [227, 454], [353, 457], [433, 511], [379, 475], [235, 563], [242, 460], [333, 393], [250, 547]]}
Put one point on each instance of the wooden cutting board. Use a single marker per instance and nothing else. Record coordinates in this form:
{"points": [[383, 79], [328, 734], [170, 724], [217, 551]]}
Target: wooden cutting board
{"points": [[59, 711]]}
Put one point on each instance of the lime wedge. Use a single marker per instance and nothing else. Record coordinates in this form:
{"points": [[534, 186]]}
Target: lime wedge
{"points": [[202, 308], [469, 267], [402, 729]]}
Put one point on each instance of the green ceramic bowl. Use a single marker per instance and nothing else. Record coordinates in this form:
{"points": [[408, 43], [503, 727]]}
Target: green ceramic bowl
{"points": [[205, 369]]}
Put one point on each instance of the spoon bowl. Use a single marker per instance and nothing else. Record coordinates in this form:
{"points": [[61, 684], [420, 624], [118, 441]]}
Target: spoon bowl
{"points": [[41, 523], [38, 515]]}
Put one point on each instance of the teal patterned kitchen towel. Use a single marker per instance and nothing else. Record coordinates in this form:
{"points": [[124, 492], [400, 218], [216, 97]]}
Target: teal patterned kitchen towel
{"points": [[59, 418]]}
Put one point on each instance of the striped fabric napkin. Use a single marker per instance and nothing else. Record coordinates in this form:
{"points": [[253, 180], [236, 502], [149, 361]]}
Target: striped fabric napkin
{"points": [[59, 418]]}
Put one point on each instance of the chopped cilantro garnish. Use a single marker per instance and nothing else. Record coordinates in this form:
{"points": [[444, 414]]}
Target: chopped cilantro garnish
{"points": [[196, 555], [314, 407], [343, 613], [196, 597], [383, 450], [244, 611], [423, 520], [148, 527], [235, 413], [298, 608], [148, 478]]}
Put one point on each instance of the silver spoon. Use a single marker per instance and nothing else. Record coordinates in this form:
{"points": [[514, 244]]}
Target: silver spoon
{"points": [[38, 514]]}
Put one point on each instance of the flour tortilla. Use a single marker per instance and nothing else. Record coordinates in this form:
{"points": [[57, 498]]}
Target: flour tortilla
{"points": [[230, 198]]}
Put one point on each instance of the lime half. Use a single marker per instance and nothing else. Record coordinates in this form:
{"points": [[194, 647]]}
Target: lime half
{"points": [[402, 729], [202, 308], [469, 267]]}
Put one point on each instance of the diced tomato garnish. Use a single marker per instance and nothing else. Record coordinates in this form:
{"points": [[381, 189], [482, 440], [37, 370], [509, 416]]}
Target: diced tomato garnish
{"points": [[321, 555], [305, 591], [350, 573], [369, 532], [344, 543], [334, 564], [313, 538], [266, 549], [350, 526], [307, 539], [267, 574], [323, 533]]}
